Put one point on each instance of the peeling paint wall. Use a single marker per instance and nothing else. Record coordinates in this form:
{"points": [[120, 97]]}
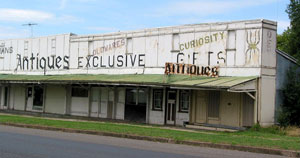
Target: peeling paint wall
{"points": [[267, 91], [79, 106], [55, 100], [19, 97]]}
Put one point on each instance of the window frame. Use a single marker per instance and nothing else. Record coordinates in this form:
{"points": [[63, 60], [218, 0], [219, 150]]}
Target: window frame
{"points": [[154, 108], [180, 109]]}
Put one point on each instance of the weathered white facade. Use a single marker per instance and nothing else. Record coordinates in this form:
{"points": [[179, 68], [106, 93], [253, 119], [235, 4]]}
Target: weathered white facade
{"points": [[229, 50]]}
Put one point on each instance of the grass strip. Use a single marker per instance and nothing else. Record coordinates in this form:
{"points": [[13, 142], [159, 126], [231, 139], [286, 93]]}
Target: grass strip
{"points": [[269, 138]]}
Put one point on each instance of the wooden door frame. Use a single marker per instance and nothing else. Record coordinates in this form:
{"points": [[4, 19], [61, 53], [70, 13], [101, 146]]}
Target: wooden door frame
{"points": [[166, 105]]}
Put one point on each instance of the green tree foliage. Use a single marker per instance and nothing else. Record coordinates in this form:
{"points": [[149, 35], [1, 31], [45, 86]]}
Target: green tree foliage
{"points": [[290, 108], [283, 41], [289, 41]]}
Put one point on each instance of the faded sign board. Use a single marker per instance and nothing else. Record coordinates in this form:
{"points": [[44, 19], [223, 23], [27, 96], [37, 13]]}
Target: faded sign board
{"points": [[234, 47]]}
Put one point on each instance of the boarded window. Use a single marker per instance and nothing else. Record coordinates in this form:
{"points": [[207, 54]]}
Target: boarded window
{"points": [[25, 48], [214, 104], [157, 99], [175, 44], [79, 92], [53, 46], [129, 46]]}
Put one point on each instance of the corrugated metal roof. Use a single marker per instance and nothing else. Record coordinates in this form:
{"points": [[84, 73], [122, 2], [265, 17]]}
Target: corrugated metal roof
{"points": [[145, 79]]}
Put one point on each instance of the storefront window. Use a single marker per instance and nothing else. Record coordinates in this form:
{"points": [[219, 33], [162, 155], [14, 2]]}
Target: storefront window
{"points": [[136, 97], [184, 103], [131, 95], [79, 92], [142, 97], [157, 99]]}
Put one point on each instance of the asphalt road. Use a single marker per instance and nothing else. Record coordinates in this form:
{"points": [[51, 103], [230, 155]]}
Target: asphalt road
{"points": [[18, 142]]}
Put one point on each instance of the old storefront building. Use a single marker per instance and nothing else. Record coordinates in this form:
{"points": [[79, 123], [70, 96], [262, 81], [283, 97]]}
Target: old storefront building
{"points": [[203, 74]]}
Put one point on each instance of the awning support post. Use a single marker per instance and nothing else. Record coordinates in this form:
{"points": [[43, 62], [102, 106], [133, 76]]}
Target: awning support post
{"points": [[250, 95]]}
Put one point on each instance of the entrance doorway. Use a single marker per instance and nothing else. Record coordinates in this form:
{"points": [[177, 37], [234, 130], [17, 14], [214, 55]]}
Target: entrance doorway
{"points": [[34, 98], [6, 92], [135, 106], [38, 98], [171, 107]]}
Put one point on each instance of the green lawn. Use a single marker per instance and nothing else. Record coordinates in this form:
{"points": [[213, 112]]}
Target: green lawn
{"points": [[268, 137]]}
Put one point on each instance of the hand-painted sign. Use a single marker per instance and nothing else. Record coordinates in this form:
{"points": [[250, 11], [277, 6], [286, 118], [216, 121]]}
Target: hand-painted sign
{"points": [[202, 41], [37, 62], [190, 69], [108, 47], [5, 50], [57, 62]]}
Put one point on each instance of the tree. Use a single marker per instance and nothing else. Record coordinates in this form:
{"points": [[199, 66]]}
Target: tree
{"points": [[289, 41], [290, 108], [283, 41]]}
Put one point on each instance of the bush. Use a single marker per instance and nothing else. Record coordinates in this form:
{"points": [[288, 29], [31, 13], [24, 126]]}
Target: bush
{"points": [[255, 127], [272, 129]]}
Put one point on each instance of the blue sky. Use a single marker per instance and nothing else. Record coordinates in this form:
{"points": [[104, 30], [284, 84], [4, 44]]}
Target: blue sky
{"points": [[101, 16]]}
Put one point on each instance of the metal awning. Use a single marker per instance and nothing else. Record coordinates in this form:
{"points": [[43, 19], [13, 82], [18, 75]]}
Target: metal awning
{"points": [[195, 82]]}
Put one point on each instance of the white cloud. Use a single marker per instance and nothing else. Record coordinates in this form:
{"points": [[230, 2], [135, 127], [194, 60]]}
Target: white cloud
{"points": [[102, 29], [282, 25], [11, 32], [204, 7], [65, 19], [20, 15], [62, 4]]}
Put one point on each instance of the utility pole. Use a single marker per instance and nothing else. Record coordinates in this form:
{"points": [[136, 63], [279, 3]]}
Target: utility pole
{"points": [[31, 27]]}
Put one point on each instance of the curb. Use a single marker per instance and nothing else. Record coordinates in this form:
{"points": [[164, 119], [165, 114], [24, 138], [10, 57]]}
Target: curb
{"points": [[281, 152]]}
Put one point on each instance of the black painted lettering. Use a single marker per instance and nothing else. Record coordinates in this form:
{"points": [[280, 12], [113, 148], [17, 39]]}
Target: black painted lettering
{"points": [[120, 60], [25, 60], [179, 54], [141, 59], [220, 58], [101, 62], [109, 61], [132, 60], [19, 64], [194, 57], [37, 61], [88, 58], [95, 63], [31, 60], [51, 65], [209, 53], [80, 62], [66, 61], [43, 63]]}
